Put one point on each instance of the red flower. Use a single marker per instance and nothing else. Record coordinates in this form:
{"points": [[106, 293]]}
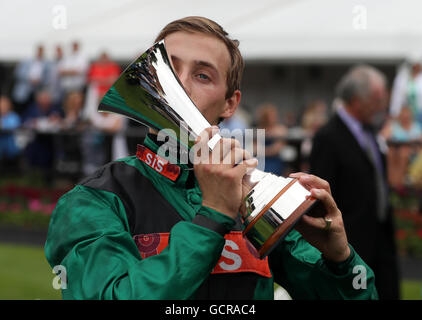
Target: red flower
{"points": [[419, 233], [34, 205]]}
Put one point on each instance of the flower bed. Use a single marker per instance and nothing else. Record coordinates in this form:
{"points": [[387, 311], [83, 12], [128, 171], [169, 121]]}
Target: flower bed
{"points": [[26, 206], [408, 222], [29, 205]]}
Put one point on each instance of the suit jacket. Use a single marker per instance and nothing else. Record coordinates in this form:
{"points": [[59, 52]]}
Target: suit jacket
{"points": [[337, 157]]}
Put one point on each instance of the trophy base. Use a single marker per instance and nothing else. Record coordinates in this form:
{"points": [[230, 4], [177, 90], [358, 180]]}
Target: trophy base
{"points": [[269, 224]]}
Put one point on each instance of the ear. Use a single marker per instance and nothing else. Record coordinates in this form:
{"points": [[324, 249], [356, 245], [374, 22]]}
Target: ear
{"points": [[231, 104]]}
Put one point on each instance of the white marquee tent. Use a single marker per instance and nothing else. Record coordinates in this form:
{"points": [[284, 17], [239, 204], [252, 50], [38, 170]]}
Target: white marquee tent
{"points": [[267, 29]]}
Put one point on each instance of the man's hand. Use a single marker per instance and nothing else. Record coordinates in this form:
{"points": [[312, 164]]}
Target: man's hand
{"points": [[332, 242], [220, 172]]}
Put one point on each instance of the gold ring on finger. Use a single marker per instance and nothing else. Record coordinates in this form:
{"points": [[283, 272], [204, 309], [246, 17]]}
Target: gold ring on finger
{"points": [[327, 223]]}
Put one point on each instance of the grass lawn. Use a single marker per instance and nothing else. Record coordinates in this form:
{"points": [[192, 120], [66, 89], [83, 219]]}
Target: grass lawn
{"points": [[411, 290], [26, 275]]}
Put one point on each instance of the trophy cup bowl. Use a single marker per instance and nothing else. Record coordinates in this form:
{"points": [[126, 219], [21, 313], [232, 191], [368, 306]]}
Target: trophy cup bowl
{"points": [[149, 91]]}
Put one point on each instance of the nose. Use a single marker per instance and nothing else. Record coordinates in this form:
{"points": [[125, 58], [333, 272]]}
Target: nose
{"points": [[185, 80]]}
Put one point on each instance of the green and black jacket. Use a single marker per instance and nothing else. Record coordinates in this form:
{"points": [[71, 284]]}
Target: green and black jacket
{"points": [[128, 232]]}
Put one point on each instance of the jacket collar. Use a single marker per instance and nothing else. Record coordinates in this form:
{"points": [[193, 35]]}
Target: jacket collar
{"points": [[186, 169]]}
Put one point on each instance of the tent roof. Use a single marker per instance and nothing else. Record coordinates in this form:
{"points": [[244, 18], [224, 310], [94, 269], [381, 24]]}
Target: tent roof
{"points": [[267, 29]]}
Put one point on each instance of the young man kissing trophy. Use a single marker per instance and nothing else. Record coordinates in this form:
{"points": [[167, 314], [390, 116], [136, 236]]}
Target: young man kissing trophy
{"points": [[192, 218]]}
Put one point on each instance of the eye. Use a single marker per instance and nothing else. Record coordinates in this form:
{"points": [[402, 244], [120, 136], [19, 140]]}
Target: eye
{"points": [[203, 76]]}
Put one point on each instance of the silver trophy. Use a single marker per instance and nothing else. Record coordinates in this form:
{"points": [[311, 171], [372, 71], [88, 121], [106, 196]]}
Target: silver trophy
{"points": [[150, 92]]}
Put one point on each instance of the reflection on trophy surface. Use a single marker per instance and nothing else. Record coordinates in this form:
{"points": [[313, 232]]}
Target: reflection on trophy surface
{"points": [[149, 92]]}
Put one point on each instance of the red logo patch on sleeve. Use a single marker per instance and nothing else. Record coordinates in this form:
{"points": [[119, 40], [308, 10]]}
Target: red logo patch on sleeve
{"points": [[151, 244], [237, 256]]}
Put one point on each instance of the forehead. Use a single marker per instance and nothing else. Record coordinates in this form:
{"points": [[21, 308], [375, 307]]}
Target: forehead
{"points": [[197, 46], [378, 88]]}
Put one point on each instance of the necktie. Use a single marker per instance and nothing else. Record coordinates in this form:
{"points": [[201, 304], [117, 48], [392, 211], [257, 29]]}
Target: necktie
{"points": [[372, 151]]}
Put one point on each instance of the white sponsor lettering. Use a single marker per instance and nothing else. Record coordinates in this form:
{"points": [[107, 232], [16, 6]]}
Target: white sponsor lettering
{"points": [[237, 260]]}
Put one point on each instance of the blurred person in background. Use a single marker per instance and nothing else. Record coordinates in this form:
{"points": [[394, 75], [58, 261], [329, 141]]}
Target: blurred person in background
{"points": [[44, 118], [68, 141], [407, 91], [407, 88], [102, 74], [73, 70], [9, 121], [239, 121], [43, 114], [275, 135], [290, 119], [235, 127], [72, 108], [405, 128], [314, 117], [30, 76], [54, 82], [402, 132], [104, 141], [348, 155]]}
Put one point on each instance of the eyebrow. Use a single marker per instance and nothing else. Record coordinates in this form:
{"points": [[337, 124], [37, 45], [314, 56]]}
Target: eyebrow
{"points": [[200, 63], [206, 64]]}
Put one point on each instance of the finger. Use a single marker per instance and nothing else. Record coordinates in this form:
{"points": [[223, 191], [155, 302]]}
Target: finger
{"points": [[200, 149], [223, 148], [296, 174], [235, 156], [326, 199], [245, 166], [239, 154], [313, 222], [310, 181], [207, 134]]}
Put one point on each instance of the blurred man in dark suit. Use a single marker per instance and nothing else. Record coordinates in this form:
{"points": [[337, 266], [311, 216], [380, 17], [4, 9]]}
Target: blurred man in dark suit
{"points": [[348, 154]]}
